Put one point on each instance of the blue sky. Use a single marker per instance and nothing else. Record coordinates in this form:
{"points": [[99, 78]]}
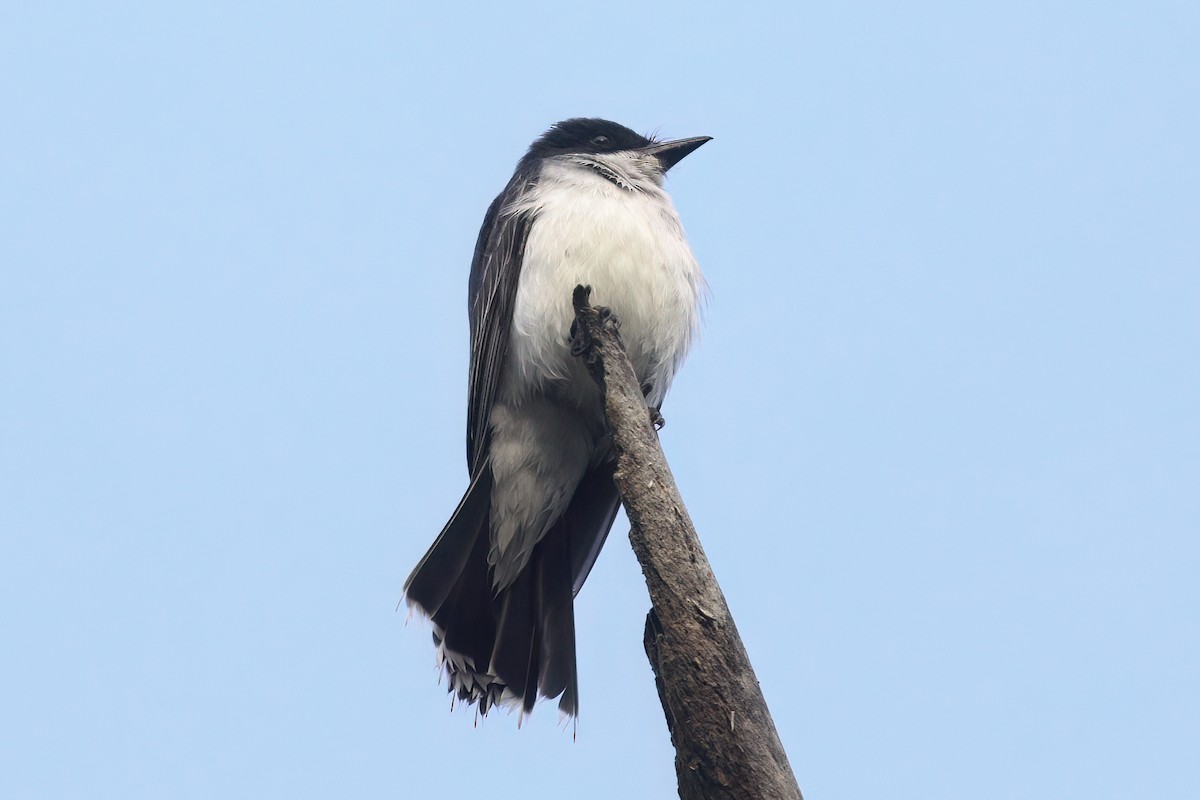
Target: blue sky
{"points": [[941, 434]]}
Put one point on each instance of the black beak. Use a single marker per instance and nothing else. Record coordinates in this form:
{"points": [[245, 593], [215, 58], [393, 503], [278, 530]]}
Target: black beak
{"points": [[671, 153]]}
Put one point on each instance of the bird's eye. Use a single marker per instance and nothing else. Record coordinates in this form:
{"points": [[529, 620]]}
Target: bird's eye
{"points": [[600, 141]]}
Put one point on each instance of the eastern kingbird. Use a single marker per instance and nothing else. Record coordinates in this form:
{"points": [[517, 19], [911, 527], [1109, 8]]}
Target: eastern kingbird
{"points": [[586, 205]]}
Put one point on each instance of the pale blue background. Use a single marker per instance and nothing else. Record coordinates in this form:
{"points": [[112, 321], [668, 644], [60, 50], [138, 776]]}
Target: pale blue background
{"points": [[941, 436]]}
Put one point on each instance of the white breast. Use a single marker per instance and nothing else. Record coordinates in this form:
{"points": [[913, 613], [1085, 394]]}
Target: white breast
{"points": [[629, 246]]}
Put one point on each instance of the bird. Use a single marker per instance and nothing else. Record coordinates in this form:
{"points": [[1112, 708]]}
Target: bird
{"points": [[585, 206]]}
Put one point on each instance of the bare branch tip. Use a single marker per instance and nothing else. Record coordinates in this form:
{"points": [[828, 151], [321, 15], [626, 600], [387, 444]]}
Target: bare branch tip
{"points": [[581, 297]]}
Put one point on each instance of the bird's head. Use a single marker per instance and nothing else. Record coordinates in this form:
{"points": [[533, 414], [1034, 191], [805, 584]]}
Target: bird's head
{"points": [[612, 150]]}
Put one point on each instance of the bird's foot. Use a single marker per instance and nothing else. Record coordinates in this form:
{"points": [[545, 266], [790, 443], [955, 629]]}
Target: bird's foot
{"points": [[656, 417], [578, 337], [608, 317]]}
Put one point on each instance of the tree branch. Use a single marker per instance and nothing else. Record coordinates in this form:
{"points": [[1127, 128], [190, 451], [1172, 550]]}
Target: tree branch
{"points": [[726, 746]]}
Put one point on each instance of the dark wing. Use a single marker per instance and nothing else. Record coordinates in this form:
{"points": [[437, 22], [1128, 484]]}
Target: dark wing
{"points": [[495, 271]]}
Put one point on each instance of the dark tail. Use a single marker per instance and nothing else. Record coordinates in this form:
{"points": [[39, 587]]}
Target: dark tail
{"points": [[511, 646]]}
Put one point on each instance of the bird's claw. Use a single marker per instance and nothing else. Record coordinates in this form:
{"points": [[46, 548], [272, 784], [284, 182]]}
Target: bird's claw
{"points": [[578, 337], [608, 316]]}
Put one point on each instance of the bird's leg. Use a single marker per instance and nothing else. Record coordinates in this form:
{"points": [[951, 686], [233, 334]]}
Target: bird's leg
{"points": [[656, 417]]}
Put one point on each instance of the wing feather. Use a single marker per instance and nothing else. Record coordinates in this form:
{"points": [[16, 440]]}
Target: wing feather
{"points": [[495, 273]]}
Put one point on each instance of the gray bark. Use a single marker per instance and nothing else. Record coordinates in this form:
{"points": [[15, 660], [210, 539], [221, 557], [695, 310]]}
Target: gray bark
{"points": [[726, 745]]}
